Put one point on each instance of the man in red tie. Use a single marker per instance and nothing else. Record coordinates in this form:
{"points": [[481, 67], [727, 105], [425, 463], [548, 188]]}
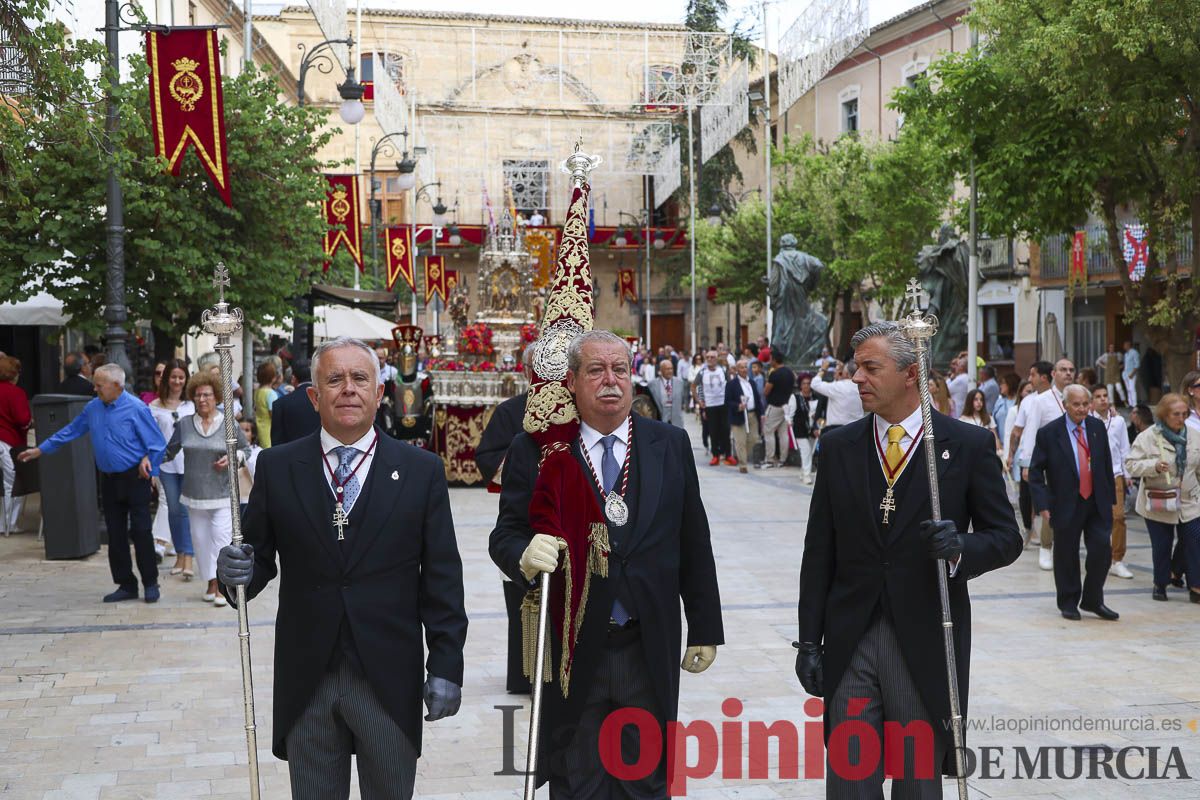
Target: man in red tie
{"points": [[1068, 454]]}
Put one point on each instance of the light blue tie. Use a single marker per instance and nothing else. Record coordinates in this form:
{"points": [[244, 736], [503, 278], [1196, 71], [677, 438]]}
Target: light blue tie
{"points": [[609, 470], [350, 488]]}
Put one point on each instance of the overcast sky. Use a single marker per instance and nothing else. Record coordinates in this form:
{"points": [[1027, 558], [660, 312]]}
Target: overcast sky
{"points": [[781, 12]]}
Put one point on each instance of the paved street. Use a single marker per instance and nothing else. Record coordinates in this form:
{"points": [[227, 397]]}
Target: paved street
{"points": [[140, 701]]}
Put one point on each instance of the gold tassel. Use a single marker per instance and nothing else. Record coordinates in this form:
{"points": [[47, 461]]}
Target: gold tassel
{"points": [[564, 677], [598, 550]]}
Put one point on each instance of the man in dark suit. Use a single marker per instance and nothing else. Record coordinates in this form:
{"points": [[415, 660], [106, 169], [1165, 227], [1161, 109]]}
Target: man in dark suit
{"points": [[361, 525], [869, 611], [1068, 477], [293, 415], [74, 381], [507, 421], [629, 645]]}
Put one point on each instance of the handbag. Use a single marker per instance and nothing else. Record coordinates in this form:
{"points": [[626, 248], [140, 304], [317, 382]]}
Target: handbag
{"points": [[1163, 501]]}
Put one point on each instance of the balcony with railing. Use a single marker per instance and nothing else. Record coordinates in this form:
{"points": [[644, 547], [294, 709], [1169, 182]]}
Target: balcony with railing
{"points": [[996, 257], [1101, 268]]}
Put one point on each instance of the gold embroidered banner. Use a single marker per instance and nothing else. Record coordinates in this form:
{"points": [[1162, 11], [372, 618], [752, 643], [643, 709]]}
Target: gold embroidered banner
{"points": [[342, 216], [399, 256], [542, 244], [627, 286], [435, 278]]}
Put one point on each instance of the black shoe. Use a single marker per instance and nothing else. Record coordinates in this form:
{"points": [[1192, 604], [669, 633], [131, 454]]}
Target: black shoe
{"points": [[1177, 582], [1194, 597], [1071, 614], [1159, 593], [121, 594], [1102, 611], [152, 594]]}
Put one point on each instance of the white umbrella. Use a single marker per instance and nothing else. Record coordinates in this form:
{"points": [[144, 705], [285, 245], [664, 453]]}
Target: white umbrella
{"points": [[1052, 346], [41, 309], [333, 321]]}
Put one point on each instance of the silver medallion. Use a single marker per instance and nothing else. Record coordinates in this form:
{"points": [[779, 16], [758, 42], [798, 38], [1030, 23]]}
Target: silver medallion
{"points": [[550, 358], [616, 510]]}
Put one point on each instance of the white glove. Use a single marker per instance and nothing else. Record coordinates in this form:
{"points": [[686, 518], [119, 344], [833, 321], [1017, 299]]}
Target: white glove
{"points": [[541, 555], [699, 658]]}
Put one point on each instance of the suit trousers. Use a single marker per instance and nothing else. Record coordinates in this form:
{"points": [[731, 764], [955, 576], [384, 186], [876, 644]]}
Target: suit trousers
{"points": [[343, 717], [1086, 524], [746, 436], [515, 681], [776, 433], [1118, 528], [621, 680], [878, 675], [126, 497], [718, 430]]}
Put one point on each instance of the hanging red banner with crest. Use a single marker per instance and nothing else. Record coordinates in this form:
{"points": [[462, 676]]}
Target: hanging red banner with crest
{"points": [[342, 217], [451, 280], [435, 278], [1078, 273], [399, 256], [627, 286], [186, 104]]}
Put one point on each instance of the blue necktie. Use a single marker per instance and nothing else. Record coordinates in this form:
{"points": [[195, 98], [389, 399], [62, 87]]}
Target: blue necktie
{"points": [[609, 470], [350, 488]]}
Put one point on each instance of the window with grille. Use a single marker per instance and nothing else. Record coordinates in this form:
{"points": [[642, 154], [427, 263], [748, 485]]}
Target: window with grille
{"points": [[529, 182]]}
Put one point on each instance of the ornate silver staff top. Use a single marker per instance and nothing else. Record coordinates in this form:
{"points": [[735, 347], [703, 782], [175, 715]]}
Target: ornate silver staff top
{"points": [[578, 164], [918, 326], [221, 321]]}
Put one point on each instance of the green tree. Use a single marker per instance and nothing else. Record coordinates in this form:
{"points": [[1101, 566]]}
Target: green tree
{"points": [[52, 223], [1078, 107]]}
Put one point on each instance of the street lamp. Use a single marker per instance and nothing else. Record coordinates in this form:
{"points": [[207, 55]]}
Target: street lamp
{"points": [[351, 112], [714, 214], [384, 144]]}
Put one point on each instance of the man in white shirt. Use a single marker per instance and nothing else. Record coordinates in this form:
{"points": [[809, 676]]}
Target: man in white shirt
{"points": [[711, 396], [1129, 372], [958, 386], [845, 406], [537, 219], [1191, 387], [1044, 409], [1118, 446], [386, 371]]}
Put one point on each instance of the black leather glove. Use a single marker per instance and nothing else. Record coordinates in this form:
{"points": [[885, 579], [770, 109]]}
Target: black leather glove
{"points": [[809, 669], [942, 540], [442, 698], [235, 565]]}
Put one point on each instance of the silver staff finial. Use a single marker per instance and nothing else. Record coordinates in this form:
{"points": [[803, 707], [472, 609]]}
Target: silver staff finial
{"points": [[220, 280], [579, 164], [917, 325], [220, 320]]}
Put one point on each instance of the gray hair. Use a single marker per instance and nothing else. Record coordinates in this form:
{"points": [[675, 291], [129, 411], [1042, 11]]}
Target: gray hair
{"points": [[900, 347], [346, 341], [1076, 387], [207, 361], [111, 372], [575, 348], [529, 353]]}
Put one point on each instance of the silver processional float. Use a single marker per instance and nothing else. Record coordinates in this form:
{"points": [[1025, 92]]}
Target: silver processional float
{"points": [[920, 328], [223, 322]]}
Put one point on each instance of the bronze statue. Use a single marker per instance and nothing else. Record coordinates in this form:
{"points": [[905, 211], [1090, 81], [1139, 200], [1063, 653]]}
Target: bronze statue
{"points": [[942, 271], [798, 329]]}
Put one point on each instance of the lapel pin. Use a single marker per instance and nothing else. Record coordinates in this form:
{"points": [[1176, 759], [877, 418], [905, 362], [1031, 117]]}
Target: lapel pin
{"points": [[945, 455], [395, 475]]}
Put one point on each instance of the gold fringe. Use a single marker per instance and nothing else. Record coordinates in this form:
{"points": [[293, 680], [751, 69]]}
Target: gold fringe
{"points": [[564, 666], [529, 623], [598, 550]]}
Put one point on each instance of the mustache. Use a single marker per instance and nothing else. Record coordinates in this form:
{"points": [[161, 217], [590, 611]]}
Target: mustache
{"points": [[610, 391]]}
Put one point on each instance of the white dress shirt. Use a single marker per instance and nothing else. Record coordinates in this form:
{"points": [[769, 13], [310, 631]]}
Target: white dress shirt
{"points": [[595, 448], [748, 393], [957, 387], [911, 425], [845, 406], [1193, 420], [1118, 440], [329, 447], [1046, 407]]}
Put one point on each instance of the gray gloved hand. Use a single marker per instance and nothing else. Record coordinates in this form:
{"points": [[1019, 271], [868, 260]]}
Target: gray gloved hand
{"points": [[235, 565], [941, 539], [442, 698], [809, 668]]}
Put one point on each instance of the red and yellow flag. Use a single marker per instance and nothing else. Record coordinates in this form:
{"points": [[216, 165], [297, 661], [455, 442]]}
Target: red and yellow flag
{"points": [[435, 278], [342, 216], [451, 280], [186, 104], [627, 286], [399, 256]]}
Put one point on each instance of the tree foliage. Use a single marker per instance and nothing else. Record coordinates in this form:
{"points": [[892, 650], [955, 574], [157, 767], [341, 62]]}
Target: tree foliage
{"points": [[1077, 107], [53, 223]]}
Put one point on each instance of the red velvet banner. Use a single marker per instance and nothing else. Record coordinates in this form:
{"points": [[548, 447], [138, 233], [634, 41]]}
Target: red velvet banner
{"points": [[1078, 259], [399, 256], [451, 280], [627, 286], [471, 235], [456, 433], [186, 104], [342, 216], [435, 278]]}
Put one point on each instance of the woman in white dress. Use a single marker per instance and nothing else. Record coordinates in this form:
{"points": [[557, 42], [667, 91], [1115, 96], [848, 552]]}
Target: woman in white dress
{"points": [[168, 408], [975, 412]]}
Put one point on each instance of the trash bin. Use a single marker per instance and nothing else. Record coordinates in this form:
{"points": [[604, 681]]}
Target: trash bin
{"points": [[70, 522]]}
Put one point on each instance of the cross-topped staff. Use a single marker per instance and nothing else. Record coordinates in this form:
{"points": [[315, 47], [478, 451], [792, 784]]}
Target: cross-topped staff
{"points": [[920, 328], [223, 322]]}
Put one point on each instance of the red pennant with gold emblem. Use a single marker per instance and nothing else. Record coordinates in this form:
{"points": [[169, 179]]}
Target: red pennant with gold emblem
{"points": [[186, 104], [451, 280], [342, 216], [399, 256], [627, 286], [435, 278]]}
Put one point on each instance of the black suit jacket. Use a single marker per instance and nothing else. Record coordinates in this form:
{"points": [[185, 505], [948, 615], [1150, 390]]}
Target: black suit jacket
{"points": [[1053, 480], [849, 569], [733, 402], [507, 421], [802, 426], [398, 571], [76, 384], [293, 416], [667, 559]]}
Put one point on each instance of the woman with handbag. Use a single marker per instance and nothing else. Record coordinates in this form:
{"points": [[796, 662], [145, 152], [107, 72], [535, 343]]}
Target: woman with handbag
{"points": [[1166, 456]]}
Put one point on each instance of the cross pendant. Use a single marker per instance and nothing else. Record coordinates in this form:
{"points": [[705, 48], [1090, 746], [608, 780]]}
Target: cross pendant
{"points": [[887, 505], [341, 521]]}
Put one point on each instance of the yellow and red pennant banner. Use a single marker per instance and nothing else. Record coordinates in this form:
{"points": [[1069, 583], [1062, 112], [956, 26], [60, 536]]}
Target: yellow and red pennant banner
{"points": [[186, 104], [435, 278], [399, 256], [626, 286], [342, 217], [451, 280]]}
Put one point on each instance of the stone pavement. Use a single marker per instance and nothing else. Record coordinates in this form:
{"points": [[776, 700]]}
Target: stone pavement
{"points": [[144, 701]]}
